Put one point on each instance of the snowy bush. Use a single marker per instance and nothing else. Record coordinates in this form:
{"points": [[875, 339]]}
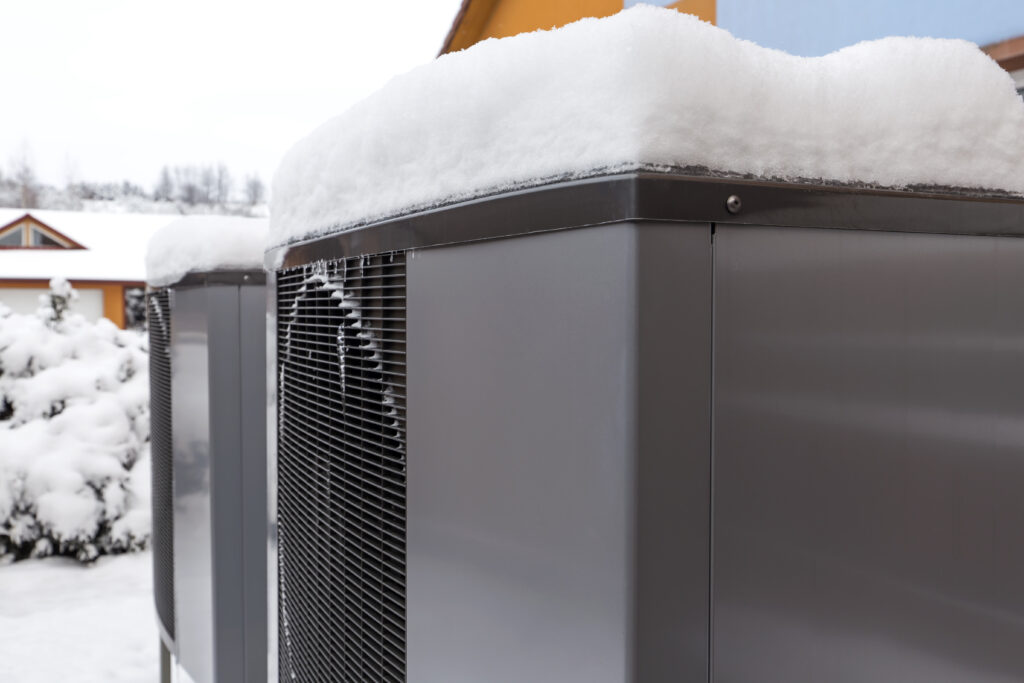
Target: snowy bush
{"points": [[74, 433]]}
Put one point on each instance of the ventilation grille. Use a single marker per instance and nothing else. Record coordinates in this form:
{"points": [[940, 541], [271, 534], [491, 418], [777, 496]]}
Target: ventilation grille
{"points": [[341, 470], [161, 456]]}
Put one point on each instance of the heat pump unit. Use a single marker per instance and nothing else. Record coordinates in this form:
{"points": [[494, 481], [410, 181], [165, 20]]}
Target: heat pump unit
{"points": [[651, 427], [207, 351]]}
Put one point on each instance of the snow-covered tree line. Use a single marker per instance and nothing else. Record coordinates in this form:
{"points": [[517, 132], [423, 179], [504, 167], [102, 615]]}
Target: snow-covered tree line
{"points": [[186, 189], [74, 433], [210, 185]]}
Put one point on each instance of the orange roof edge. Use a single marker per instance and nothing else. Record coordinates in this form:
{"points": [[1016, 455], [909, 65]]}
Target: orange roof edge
{"points": [[479, 19], [1009, 54], [467, 26]]}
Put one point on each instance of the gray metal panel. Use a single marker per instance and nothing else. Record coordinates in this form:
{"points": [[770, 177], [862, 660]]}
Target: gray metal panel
{"points": [[237, 363], [869, 457], [226, 475], [673, 468], [526, 388], [253, 359], [270, 512], [193, 578], [220, 480]]}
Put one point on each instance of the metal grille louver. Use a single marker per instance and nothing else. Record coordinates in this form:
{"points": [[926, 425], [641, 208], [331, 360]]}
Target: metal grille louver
{"points": [[341, 470], [161, 456]]}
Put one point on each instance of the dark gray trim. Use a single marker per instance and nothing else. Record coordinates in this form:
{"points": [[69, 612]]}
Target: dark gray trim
{"points": [[672, 467], [252, 400], [672, 198], [226, 491], [166, 641], [217, 277], [165, 663], [270, 396]]}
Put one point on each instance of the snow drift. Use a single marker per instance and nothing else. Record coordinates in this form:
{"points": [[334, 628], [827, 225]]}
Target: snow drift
{"points": [[205, 243], [654, 89], [74, 434]]}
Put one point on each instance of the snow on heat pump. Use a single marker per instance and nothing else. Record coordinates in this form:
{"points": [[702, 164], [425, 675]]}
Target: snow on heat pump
{"points": [[206, 307], [654, 365]]}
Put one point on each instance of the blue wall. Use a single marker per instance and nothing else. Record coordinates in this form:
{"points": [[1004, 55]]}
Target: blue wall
{"points": [[817, 27]]}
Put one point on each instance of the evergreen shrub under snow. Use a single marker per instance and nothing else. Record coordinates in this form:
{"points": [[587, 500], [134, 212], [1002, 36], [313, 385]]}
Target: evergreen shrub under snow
{"points": [[74, 433]]}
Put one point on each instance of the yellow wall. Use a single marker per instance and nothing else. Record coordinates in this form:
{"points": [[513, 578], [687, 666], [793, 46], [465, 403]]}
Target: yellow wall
{"points": [[510, 17], [704, 9], [113, 303], [501, 18], [113, 294]]}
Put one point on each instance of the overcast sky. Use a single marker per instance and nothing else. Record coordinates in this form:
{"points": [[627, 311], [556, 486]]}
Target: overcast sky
{"points": [[115, 89]]}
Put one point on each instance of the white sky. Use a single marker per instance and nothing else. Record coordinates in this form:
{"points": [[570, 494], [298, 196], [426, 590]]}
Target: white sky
{"points": [[115, 89]]}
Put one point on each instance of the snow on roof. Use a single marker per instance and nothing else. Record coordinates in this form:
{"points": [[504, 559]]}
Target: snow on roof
{"points": [[654, 89], [115, 246], [205, 243]]}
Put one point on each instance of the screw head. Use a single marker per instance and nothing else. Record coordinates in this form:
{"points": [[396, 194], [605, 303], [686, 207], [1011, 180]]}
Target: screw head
{"points": [[733, 204]]}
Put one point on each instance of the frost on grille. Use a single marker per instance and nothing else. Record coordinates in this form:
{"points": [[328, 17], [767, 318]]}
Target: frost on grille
{"points": [[161, 456], [341, 470]]}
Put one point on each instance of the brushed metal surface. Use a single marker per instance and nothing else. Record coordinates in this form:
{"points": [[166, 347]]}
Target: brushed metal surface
{"points": [[237, 362], [559, 446], [218, 365], [252, 359], [227, 537], [868, 457], [193, 545], [270, 513]]}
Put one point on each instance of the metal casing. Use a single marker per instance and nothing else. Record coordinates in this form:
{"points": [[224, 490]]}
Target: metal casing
{"points": [[217, 356], [342, 475], [651, 438], [558, 439], [161, 461], [869, 456]]}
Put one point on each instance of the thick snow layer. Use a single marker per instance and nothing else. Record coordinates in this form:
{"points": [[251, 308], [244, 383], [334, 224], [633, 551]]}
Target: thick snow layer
{"points": [[115, 246], [62, 621], [655, 89], [204, 243], [74, 434]]}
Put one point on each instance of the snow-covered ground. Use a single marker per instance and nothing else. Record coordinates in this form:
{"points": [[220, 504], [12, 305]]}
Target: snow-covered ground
{"points": [[61, 621]]}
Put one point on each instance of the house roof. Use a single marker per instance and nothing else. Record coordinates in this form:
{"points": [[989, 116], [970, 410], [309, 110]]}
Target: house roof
{"points": [[480, 19], [466, 23], [114, 246], [48, 230], [1008, 53]]}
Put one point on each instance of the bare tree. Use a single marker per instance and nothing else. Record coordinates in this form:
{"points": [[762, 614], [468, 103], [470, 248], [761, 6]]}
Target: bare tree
{"points": [[207, 184], [71, 175], [25, 179], [253, 189], [223, 185], [187, 181], [164, 190]]}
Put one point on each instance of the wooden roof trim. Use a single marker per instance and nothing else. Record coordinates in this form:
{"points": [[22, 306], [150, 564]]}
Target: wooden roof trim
{"points": [[468, 25], [76, 282], [1009, 54], [5, 227], [10, 227], [64, 240], [53, 234]]}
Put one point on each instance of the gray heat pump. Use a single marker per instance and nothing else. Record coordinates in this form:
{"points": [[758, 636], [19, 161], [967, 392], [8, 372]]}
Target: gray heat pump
{"points": [[650, 427], [207, 355]]}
